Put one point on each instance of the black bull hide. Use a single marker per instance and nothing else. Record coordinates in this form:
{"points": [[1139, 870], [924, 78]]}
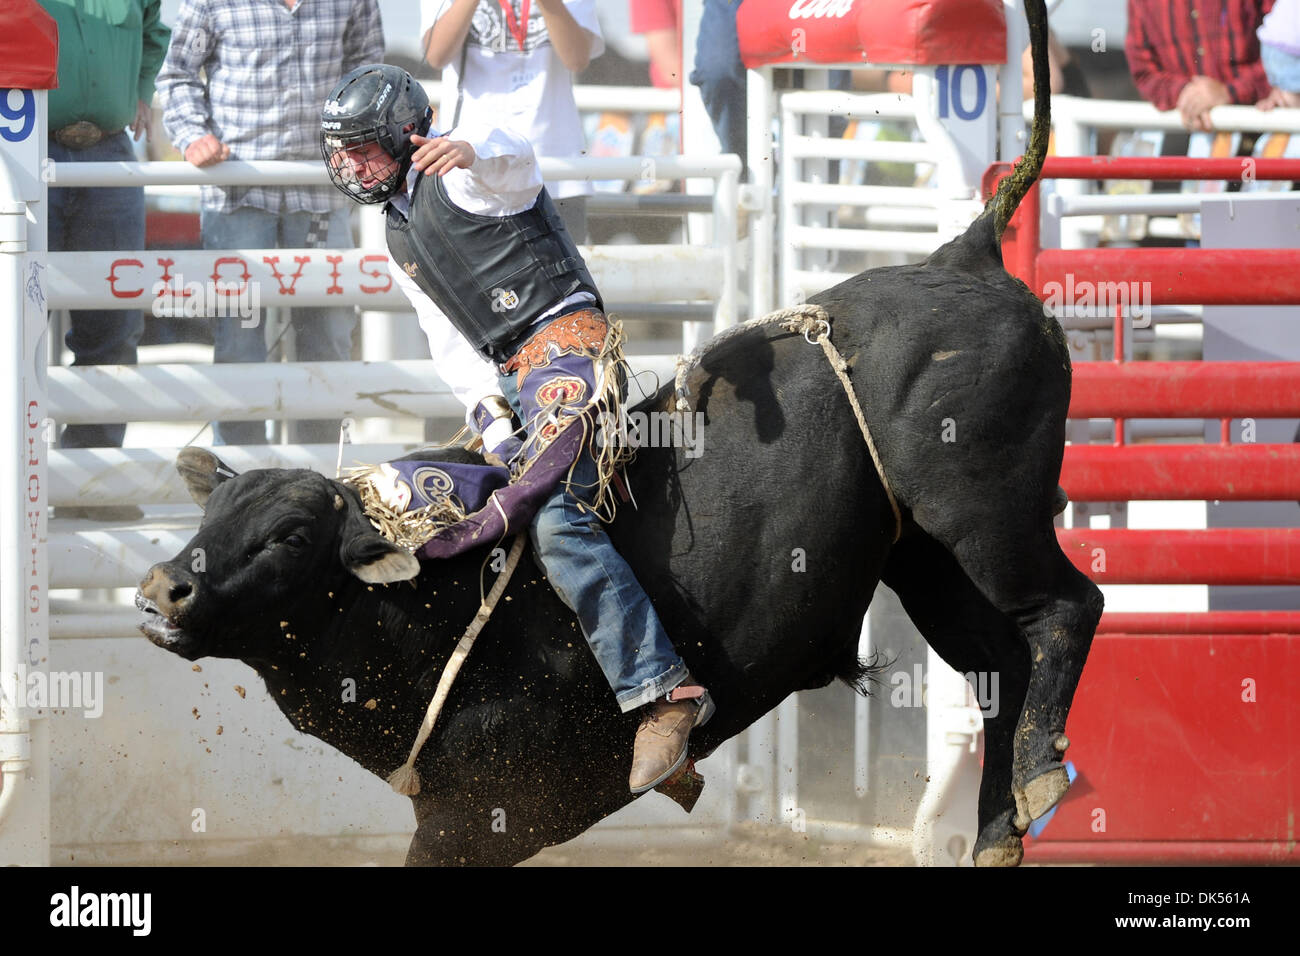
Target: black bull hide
{"points": [[760, 555]]}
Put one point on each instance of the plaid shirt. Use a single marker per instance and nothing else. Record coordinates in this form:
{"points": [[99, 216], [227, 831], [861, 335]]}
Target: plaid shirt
{"points": [[267, 72], [1171, 41]]}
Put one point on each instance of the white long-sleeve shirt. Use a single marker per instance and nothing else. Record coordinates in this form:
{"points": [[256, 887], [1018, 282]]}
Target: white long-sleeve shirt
{"points": [[503, 180]]}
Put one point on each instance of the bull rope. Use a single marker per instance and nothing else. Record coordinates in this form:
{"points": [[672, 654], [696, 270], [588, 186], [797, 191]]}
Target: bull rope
{"points": [[406, 779], [814, 323]]}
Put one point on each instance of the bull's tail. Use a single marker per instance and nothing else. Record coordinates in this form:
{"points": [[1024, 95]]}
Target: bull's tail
{"points": [[864, 673], [1012, 189]]}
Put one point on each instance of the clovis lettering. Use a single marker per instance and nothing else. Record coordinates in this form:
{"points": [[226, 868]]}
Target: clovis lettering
{"points": [[277, 273]]}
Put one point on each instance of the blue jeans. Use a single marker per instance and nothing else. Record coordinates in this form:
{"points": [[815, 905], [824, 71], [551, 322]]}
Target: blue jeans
{"points": [[1281, 68], [720, 75], [592, 578], [323, 334], [96, 219]]}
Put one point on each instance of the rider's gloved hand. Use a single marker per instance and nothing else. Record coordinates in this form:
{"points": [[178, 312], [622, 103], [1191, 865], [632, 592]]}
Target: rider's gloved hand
{"points": [[494, 423]]}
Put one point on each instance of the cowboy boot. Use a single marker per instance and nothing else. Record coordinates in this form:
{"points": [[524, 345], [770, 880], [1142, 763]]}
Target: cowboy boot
{"points": [[666, 725]]}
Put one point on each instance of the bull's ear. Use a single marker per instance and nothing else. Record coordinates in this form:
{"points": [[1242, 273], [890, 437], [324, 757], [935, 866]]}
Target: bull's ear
{"points": [[368, 554], [202, 471]]}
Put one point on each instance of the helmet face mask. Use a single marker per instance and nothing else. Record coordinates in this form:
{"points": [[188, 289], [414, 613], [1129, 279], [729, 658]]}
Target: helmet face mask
{"points": [[361, 168], [377, 104]]}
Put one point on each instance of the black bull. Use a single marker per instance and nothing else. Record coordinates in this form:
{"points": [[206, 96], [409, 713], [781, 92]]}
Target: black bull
{"points": [[760, 555]]}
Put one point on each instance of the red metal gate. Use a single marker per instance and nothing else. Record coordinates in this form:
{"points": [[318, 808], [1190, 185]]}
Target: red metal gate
{"points": [[1186, 727]]}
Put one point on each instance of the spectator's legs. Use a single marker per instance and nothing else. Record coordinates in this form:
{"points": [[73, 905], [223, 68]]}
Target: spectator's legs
{"points": [[1282, 69], [720, 75], [242, 228], [322, 334], [98, 220]]}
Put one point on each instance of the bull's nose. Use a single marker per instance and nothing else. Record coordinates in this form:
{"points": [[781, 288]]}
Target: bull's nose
{"points": [[171, 589]]}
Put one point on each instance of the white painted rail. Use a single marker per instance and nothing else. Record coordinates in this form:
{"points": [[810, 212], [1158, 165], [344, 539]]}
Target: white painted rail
{"points": [[118, 476], [1070, 113], [308, 172], [1075, 121], [315, 277], [159, 393]]}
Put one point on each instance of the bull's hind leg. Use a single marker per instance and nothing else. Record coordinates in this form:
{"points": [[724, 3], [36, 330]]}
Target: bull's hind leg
{"points": [[1024, 574], [972, 636]]}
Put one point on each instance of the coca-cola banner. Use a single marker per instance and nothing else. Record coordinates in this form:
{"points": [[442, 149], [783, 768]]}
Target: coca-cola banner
{"points": [[921, 32]]}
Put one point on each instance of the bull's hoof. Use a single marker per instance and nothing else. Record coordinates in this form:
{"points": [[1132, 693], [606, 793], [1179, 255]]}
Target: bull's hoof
{"points": [[1008, 851], [1040, 795], [999, 843]]}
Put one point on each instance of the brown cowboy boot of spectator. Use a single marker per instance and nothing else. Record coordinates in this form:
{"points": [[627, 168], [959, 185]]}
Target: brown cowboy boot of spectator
{"points": [[666, 726]]}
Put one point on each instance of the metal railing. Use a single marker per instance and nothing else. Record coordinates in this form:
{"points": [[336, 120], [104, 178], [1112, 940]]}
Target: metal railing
{"points": [[704, 283], [1075, 122]]}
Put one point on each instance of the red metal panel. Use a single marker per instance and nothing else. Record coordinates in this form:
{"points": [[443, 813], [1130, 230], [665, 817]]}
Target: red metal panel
{"points": [[1023, 236], [1205, 622], [1167, 168], [172, 230], [1124, 851], [1184, 743], [1182, 472], [1265, 556], [1186, 390], [1188, 738], [1177, 276]]}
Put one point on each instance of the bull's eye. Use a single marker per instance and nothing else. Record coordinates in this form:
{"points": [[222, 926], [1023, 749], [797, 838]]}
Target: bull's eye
{"points": [[296, 541]]}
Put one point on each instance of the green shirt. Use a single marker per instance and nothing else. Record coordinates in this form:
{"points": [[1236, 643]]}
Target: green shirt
{"points": [[109, 54]]}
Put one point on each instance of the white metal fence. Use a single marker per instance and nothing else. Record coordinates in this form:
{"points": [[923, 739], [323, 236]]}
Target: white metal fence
{"points": [[664, 281], [1074, 210], [629, 276]]}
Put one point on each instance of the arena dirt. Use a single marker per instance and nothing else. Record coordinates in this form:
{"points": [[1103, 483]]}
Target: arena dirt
{"points": [[757, 847]]}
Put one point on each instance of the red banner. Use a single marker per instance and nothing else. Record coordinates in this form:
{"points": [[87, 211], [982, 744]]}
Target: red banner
{"points": [[918, 32], [29, 47]]}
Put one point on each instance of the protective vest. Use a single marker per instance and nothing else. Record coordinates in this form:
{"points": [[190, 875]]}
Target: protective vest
{"points": [[492, 276]]}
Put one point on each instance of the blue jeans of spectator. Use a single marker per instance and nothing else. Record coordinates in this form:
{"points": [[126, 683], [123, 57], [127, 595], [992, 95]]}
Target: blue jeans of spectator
{"points": [[591, 577], [720, 75], [98, 219], [322, 334], [1281, 67]]}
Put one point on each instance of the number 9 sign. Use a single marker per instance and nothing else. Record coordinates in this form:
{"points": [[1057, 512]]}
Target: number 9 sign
{"points": [[17, 123]]}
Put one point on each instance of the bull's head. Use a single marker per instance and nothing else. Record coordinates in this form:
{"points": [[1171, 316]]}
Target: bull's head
{"points": [[269, 539]]}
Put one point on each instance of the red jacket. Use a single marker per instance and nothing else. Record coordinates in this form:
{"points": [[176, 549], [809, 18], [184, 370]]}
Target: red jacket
{"points": [[1171, 41]]}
